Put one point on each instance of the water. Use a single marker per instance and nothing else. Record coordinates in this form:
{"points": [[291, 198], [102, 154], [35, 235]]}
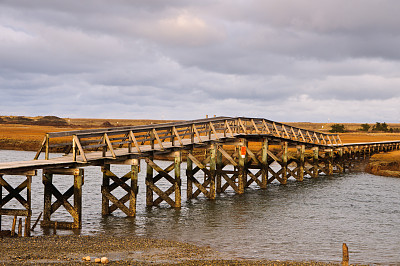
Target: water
{"points": [[299, 221]]}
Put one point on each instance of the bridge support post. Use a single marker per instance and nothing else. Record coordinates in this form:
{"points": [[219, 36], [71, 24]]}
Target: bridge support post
{"points": [[255, 162], [230, 177], [284, 164], [218, 174], [330, 161], [62, 199], [315, 171], [300, 172], [178, 182], [131, 190], [208, 186], [174, 180], [340, 161], [242, 171], [189, 176], [213, 169], [105, 202], [15, 193], [149, 180], [264, 162]]}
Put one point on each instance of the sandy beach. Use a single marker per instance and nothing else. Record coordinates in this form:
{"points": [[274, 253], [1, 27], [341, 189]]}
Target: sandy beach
{"points": [[129, 250]]}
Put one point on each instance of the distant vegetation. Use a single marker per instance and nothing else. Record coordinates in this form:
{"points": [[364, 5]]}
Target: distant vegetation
{"points": [[40, 121], [51, 121], [337, 128], [365, 127], [380, 127]]}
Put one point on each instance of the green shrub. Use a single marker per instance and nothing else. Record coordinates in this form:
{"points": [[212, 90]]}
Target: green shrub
{"points": [[337, 128], [365, 127], [380, 127]]}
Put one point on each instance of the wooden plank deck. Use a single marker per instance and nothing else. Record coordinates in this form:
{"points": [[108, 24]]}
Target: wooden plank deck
{"points": [[96, 157]]}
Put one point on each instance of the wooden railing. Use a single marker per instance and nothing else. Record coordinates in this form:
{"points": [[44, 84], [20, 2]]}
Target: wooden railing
{"points": [[176, 134]]}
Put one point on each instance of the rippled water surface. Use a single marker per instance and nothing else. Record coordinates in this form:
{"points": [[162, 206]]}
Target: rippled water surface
{"points": [[298, 221]]}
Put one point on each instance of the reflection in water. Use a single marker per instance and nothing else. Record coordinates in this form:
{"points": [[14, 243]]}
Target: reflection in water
{"points": [[298, 221]]}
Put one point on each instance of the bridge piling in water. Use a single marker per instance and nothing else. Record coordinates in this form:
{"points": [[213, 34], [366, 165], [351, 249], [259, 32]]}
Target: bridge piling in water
{"points": [[164, 174], [75, 191], [14, 193], [131, 190]]}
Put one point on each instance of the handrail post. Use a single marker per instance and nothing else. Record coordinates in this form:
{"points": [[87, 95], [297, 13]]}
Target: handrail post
{"points": [[47, 147], [73, 149], [152, 138], [172, 136]]}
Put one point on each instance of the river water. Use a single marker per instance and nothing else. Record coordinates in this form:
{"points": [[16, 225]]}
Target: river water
{"points": [[306, 220]]}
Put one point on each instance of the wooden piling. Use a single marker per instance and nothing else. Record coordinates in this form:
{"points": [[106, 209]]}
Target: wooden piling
{"points": [[213, 168], [47, 182], [135, 167], [315, 172], [27, 229], [178, 160], [149, 179], [218, 173], [242, 176], [14, 223], [301, 151], [189, 175], [330, 162], [345, 260], [105, 203], [264, 162], [77, 214], [28, 205], [340, 161], [284, 164], [20, 227]]}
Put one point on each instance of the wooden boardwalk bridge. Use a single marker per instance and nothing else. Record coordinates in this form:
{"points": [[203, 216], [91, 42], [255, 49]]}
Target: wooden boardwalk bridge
{"points": [[228, 152]]}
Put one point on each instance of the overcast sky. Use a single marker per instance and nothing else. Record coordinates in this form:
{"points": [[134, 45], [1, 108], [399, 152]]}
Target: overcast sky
{"points": [[285, 60]]}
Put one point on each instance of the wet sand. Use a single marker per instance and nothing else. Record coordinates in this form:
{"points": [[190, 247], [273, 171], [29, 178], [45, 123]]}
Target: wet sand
{"points": [[127, 250]]}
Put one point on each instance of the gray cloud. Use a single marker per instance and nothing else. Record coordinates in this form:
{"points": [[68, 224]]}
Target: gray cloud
{"points": [[306, 60]]}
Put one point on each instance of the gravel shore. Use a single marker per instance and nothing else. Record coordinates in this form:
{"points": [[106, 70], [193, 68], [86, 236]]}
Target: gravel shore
{"points": [[119, 250]]}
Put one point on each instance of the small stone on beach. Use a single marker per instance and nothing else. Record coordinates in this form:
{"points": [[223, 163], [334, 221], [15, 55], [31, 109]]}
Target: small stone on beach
{"points": [[97, 260], [86, 258], [104, 260]]}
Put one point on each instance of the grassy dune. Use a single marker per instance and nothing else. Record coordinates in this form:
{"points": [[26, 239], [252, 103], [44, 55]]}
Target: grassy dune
{"points": [[385, 164]]}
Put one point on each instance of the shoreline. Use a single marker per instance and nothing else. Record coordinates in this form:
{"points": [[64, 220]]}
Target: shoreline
{"points": [[125, 250], [384, 164]]}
